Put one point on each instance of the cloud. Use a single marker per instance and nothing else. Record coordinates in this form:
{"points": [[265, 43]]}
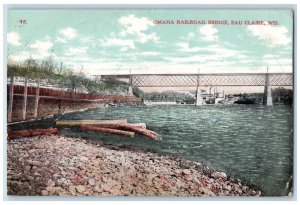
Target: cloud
{"points": [[13, 38], [66, 35], [60, 40], [76, 51], [123, 49], [41, 46], [150, 53], [215, 50], [211, 54], [40, 49], [69, 33], [208, 32], [183, 46], [273, 35], [118, 42], [136, 27]]}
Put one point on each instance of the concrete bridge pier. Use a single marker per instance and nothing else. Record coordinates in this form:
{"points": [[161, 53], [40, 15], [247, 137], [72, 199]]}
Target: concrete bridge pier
{"points": [[267, 99], [199, 99], [130, 92]]}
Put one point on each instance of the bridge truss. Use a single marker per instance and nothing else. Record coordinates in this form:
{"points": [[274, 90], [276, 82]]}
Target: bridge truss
{"points": [[228, 79]]}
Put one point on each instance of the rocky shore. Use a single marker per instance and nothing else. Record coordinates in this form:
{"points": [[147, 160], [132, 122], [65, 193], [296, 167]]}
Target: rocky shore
{"points": [[66, 166]]}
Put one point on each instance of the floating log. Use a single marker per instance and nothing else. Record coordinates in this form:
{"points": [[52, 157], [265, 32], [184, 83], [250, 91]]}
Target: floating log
{"points": [[107, 130], [31, 133], [90, 122]]}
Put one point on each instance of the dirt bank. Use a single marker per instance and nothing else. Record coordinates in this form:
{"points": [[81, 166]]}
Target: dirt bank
{"points": [[59, 165]]}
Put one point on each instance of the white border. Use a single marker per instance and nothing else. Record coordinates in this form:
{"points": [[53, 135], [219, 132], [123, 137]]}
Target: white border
{"points": [[116, 3]]}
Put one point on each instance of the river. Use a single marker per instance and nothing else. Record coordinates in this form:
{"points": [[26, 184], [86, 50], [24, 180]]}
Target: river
{"points": [[250, 142]]}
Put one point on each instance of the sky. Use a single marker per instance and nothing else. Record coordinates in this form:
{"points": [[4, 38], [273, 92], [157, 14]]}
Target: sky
{"points": [[139, 41]]}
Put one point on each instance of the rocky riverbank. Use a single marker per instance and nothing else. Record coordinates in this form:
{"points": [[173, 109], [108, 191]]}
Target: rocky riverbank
{"points": [[65, 166]]}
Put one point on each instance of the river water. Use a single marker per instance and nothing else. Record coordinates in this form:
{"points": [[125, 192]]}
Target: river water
{"points": [[250, 142]]}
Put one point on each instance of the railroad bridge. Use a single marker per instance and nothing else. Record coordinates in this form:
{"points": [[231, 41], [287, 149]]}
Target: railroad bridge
{"points": [[213, 79]]}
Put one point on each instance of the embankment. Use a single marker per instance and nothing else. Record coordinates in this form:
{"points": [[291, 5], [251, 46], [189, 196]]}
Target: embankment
{"points": [[53, 101]]}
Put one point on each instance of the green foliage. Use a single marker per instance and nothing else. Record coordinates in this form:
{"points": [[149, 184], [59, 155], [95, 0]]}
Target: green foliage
{"points": [[282, 95], [138, 92]]}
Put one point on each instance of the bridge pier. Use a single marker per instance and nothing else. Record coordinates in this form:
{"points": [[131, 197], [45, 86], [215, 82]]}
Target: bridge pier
{"points": [[130, 92], [267, 99], [199, 99]]}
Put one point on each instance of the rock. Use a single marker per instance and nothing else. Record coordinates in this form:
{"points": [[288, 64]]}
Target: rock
{"points": [[31, 151], [72, 190], [245, 188], [98, 189], [50, 183], [238, 190], [178, 171], [64, 173], [207, 191], [45, 193], [104, 179], [34, 163], [62, 182], [186, 172], [49, 188], [228, 187], [188, 178], [30, 178], [80, 188], [16, 146], [27, 168], [92, 182], [82, 158], [217, 175]]}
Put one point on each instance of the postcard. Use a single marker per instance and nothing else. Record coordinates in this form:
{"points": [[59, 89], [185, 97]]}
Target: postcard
{"points": [[150, 102]]}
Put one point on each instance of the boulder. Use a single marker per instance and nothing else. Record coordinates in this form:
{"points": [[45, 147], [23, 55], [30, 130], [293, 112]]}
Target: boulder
{"points": [[80, 188], [45, 193], [186, 172], [207, 192], [217, 175], [92, 182]]}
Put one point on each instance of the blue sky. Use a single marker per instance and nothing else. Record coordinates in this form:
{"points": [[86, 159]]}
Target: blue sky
{"points": [[115, 41]]}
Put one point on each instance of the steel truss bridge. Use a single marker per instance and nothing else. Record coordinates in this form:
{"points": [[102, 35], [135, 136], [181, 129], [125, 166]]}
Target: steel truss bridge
{"points": [[220, 79]]}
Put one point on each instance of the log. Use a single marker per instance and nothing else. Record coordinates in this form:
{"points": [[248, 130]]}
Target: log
{"points": [[148, 133], [107, 130], [31, 133], [117, 126], [90, 122]]}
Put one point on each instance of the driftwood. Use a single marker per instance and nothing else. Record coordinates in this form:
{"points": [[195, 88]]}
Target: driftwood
{"points": [[137, 128], [111, 126], [30, 133], [148, 133], [107, 130], [118, 126], [90, 122]]}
